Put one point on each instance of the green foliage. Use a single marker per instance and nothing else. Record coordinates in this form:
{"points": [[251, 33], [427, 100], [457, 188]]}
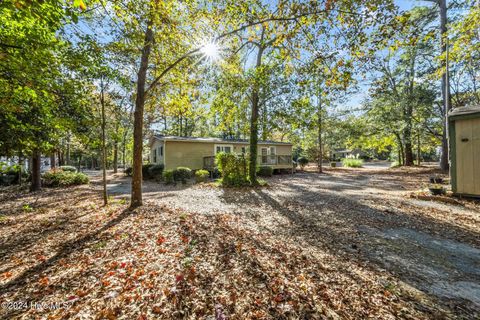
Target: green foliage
{"points": [[302, 161], [27, 208], [352, 162], [201, 176], [68, 168], [9, 174], [156, 171], [265, 171], [233, 168], [168, 176], [61, 178], [182, 174], [146, 171]]}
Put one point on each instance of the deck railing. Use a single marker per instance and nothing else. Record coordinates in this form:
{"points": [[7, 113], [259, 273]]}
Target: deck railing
{"points": [[269, 160]]}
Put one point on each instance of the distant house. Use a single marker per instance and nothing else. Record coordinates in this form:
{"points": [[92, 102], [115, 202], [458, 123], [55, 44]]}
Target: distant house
{"points": [[338, 154], [199, 153]]}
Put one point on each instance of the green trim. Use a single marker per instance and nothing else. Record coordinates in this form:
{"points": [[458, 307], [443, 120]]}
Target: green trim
{"points": [[464, 116], [453, 155]]}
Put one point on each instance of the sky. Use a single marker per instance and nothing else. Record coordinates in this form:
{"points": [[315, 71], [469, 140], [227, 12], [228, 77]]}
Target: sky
{"points": [[355, 100]]}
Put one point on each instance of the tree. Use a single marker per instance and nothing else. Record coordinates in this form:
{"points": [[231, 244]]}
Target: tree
{"points": [[36, 80]]}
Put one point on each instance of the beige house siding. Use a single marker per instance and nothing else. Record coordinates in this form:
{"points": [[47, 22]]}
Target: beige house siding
{"points": [[186, 154], [191, 153]]}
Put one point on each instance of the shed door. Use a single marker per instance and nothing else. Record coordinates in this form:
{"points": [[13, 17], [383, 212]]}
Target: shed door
{"points": [[468, 156]]}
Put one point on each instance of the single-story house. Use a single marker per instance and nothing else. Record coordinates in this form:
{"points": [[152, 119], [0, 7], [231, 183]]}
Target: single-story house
{"points": [[199, 153], [344, 153]]}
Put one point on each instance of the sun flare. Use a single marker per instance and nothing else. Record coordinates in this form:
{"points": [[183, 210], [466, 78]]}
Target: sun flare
{"points": [[211, 51]]}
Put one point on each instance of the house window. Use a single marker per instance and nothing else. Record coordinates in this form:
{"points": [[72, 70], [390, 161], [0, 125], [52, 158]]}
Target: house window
{"points": [[268, 155], [244, 150], [154, 155], [264, 155], [223, 148], [161, 151]]}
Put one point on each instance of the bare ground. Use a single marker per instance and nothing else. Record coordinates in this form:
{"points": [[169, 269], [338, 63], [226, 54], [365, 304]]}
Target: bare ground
{"points": [[346, 244]]}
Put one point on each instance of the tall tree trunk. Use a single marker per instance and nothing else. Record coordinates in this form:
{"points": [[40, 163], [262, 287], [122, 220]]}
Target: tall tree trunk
{"points": [[79, 164], [20, 168], [444, 165], [138, 119], [36, 177], [52, 160], [408, 149], [419, 154], [264, 122], [252, 172], [60, 158], [115, 156], [400, 149], [104, 148], [319, 111], [68, 150]]}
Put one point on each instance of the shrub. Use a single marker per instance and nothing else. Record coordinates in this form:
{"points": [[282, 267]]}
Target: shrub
{"points": [[233, 168], [265, 171], [302, 161], [63, 178], [68, 168], [352, 162], [128, 171], [156, 171], [201, 175], [9, 174], [168, 176], [182, 174], [146, 171], [80, 178]]}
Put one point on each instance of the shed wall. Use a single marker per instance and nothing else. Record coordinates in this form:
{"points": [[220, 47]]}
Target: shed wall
{"points": [[467, 154]]}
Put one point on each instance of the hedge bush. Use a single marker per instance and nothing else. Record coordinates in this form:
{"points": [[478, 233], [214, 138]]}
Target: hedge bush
{"points": [[265, 171], [62, 178], [302, 161], [233, 168], [201, 176], [9, 174], [156, 171], [352, 162], [168, 176], [68, 168], [146, 171], [182, 174]]}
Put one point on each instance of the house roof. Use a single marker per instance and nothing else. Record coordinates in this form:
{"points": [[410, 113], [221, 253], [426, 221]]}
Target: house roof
{"points": [[213, 140], [464, 111]]}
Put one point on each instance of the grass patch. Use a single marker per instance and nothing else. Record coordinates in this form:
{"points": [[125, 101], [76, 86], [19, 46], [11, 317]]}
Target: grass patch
{"points": [[352, 163]]}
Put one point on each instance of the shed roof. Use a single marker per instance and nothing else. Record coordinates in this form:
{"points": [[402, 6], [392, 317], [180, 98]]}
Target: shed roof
{"points": [[214, 140], [464, 111]]}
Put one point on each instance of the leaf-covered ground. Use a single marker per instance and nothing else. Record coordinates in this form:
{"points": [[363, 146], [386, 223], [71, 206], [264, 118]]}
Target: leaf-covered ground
{"points": [[63, 255]]}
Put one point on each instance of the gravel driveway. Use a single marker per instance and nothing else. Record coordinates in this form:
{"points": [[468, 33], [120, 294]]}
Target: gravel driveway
{"points": [[431, 248]]}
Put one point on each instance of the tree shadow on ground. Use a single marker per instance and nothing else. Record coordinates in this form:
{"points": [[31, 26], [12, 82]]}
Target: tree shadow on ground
{"points": [[343, 226], [65, 249]]}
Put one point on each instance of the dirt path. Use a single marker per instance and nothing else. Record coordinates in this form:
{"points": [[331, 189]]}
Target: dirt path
{"points": [[365, 214]]}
